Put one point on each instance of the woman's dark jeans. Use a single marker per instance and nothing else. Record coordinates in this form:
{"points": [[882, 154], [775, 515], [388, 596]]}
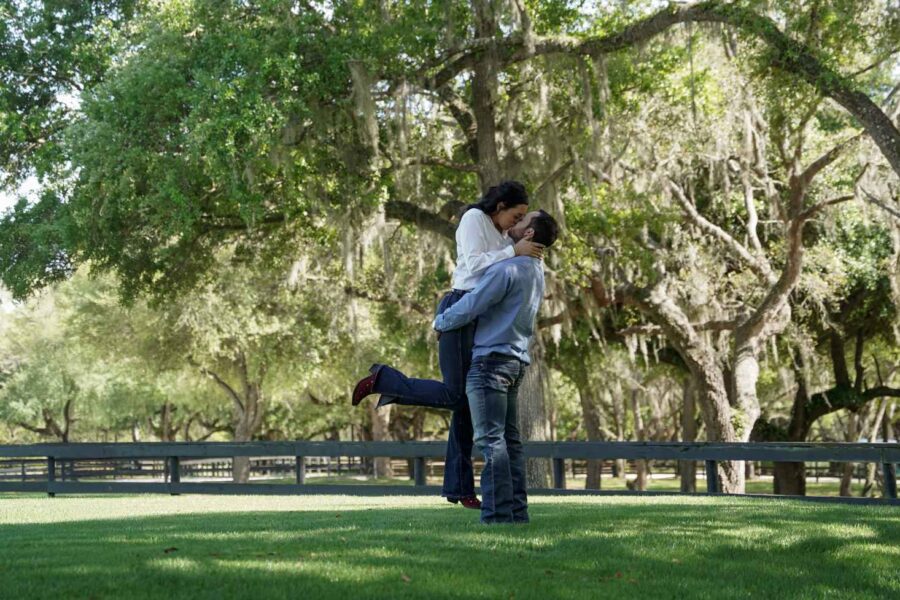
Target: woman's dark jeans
{"points": [[455, 357]]}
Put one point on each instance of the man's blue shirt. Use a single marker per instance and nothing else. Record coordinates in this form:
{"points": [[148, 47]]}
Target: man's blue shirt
{"points": [[506, 303]]}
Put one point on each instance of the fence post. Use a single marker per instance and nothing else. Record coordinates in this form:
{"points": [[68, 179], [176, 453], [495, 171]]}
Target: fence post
{"points": [[890, 480], [559, 473], [300, 470], [51, 475], [174, 471], [712, 477], [419, 470]]}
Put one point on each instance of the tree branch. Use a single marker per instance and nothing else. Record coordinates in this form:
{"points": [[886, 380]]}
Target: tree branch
{"points": [[222, 383], [757, 265], [806, 177], [554, 176], [408, 212], [885, 207], [34, 429], [812, 210], [723, 325], [434, 161], [790, 55], [838, 360], [366, 295]]}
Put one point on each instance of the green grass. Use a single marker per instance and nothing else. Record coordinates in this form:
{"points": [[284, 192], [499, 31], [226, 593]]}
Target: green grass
{"points": [[403, 547], [758, 486]]}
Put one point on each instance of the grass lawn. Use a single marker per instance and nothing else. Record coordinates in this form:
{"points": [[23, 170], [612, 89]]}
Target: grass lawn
{"points": [[403, 547], [826, 487]]}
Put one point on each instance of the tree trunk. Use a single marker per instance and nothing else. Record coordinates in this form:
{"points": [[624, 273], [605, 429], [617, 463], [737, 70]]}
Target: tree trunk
{"points": [[618, 403], [69, 419], [240, 466], [590, 411], [640, 482], [709, 381], [484, 86], [871, 468], [248, 422], [790, 478], [688, 468], [248, 407], [381, 433], [750, 470], [888, 421], [533, 423], [847, 473], [746, 409], [708, 375], [868, 490]]}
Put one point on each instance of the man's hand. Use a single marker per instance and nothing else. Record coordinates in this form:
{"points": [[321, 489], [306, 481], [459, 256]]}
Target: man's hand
{"points": [[525, 247]]}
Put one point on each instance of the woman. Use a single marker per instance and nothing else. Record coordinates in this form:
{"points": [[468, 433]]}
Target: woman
{"points": [[481, 241]]}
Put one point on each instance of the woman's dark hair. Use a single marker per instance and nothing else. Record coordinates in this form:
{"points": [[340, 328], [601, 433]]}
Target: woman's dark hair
{"points": [[546, 229], [510, 193]]}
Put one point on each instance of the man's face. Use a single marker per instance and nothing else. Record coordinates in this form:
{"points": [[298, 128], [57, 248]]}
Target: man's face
{"points": [[517, 232]]}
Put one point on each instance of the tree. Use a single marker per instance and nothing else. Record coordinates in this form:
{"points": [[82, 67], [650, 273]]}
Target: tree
{"points": [[860, 312], [44, 387]]}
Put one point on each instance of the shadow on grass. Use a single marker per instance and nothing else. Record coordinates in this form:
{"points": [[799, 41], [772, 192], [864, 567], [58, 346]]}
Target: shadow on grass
{"points": [[675, 550]]}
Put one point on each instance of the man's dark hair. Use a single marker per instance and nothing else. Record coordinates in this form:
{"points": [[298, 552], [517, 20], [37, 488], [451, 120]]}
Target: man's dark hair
{"points": [[510, 193], [546, 229]]}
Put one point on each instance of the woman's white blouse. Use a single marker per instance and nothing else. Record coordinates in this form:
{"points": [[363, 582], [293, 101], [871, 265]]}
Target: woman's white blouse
{"points": [[478, 246]]}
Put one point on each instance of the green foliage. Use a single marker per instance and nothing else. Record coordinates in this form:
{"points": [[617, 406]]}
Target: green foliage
{"points": [[50, 51], [35, 239]]}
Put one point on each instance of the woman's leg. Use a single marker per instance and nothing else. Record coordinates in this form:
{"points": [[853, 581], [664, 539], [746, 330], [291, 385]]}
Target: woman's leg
{"points": [[455, 357], [397, 388]]}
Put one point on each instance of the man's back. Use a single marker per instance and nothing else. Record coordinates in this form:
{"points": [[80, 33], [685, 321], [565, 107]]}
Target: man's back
{"points": [[505, 302]]}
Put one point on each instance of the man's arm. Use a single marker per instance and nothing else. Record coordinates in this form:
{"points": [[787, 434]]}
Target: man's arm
{"points": [[489, 291]]}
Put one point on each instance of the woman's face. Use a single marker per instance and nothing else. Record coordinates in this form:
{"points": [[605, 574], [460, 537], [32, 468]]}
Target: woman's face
{"points": [[505, 218]]}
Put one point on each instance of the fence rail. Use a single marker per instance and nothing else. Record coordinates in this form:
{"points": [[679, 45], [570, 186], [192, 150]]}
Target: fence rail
{"points": [[887, 455]]}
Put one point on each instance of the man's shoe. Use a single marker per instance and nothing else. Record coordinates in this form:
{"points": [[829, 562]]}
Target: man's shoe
{"points": [[467, 501]]}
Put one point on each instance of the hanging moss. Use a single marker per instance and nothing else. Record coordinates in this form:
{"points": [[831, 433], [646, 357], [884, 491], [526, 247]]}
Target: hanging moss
{"points": [[365, 105]]}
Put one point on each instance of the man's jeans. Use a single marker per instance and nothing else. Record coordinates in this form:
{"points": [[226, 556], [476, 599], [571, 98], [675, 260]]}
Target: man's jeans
{"points": [[492, 388], [455, 357]]}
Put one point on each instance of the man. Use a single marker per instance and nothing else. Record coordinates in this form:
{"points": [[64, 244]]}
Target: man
{"points": [[505, 302]]}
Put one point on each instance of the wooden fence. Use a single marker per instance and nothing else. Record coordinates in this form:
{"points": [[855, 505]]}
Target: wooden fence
{"points": [[886, 455]]}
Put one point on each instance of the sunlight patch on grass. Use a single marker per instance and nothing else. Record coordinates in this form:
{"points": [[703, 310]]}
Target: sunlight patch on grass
{"points": [[174, 564]]}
